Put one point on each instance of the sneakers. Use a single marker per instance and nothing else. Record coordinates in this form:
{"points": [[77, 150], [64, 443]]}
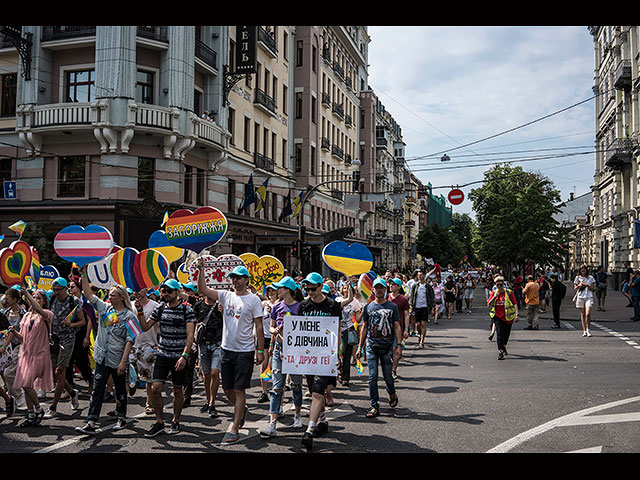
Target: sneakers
{"points": [[204, 408], [500, 355], [321, 429], [157, 429], [88, 429], [307, 441], [121, 424], [269, 430], [263, 398], [30, 421], [297, 420], [10, 407], [51, 413], [213, 413], [74, 400], [586, 333], [174, 428]]}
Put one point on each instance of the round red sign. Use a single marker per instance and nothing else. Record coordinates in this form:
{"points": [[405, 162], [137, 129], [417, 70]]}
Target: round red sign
{"points": [[456, 196]]}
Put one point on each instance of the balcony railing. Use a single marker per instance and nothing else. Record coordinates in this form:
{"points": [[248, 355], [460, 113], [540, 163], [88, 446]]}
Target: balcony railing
{"points": [[265, 100], [59, 32], [206, 54], [264, 162], [338, 110], [268, 40], [622, 76], [153, 32], [336, 151]]}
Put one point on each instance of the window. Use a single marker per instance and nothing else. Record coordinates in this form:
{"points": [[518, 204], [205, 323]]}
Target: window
{"points": [[298, 105], [188, 182], [8, 99], [231, 196], [298, 165], [285, 99], [80, 86], [71, 176], [247, 134], [200, 186], [146, 171], [5, 173], [144, 87], [299, 53]]}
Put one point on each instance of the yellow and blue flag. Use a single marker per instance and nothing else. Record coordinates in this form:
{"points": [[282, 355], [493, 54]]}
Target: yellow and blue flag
{"points": [[266, 375], [261, 198], [298, 203]]}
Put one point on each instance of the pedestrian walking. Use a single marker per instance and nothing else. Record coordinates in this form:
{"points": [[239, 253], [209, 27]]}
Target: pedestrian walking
{"points": [[143, 352], [635, 295], [584, 285], [67, 318], [517, 287], [242, 314], [532, 301], [34, 370], [111, 353], [545, 286], [396, 295], [438, 299], [13, 313], [422, 300], [267, 305], [601, 287], [469, 289], [503, 309], [558, 292], [382, 332], [317, 304], [177, 323]]}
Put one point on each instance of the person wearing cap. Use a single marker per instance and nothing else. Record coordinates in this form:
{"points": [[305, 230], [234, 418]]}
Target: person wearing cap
{"points": [[63, 328], [290, 296], [267, 305], [396, 295], [382, 331], [242, 313], [422, 300], [143, 354], [177, 323], [317, 304], [352, 303]]}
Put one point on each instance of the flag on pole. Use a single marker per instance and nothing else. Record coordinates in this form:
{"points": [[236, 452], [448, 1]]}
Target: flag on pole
{"points": [[164, 220], [249, 194], [286, 210], [262, 195], [298, 203], [133, 326], [18, 227], [1, 237], [72, 315]]}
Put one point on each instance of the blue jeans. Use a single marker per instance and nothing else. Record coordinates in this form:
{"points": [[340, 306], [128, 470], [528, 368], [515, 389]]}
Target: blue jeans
{"points": [[386, 363], [100, 377], [278, 379], [636, 306]]}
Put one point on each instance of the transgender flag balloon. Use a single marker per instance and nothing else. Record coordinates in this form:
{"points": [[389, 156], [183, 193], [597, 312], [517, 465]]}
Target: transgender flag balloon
{"points": [[83, 246]]}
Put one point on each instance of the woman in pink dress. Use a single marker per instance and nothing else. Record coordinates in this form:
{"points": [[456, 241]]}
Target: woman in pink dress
{"points": [[34, 369]]}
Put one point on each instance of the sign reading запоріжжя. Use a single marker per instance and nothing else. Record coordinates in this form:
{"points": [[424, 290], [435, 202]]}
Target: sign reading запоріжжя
{"points": [[197, 230]]}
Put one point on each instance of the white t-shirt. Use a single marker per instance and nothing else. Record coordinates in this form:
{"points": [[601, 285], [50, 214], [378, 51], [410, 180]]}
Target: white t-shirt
{"points": [[238, 313], [150, 337], [585, 293], [421, 296]]}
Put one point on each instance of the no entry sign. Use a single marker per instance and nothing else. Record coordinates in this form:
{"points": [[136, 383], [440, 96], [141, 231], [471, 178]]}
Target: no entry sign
{"points": [[456, 196]]}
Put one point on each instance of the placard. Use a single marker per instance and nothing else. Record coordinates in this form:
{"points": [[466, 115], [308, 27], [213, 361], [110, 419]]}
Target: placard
{"points": [[216, 271], [196, 230], [354, 259], [263, 270], [310, 345], [48, 273]]}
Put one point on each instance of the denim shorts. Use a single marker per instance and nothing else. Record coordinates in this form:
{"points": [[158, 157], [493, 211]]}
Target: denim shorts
{"points": [[210, 357]]}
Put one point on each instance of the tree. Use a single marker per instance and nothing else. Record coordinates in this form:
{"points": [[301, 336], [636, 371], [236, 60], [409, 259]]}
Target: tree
{"points": [[514, 213], [462, 228], [439, 243]]}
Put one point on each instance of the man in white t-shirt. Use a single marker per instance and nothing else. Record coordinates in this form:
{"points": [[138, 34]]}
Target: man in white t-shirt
{"points": [[242, 312], [143, 352]]}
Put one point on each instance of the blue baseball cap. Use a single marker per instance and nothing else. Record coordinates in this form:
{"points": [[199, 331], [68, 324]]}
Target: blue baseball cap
{"points": [[151, 291], [397, 281], [314, 278], [171, 283], [190, 286], [286, 282], [239, 271], [326, 289], [379, 281], [59, 282]]}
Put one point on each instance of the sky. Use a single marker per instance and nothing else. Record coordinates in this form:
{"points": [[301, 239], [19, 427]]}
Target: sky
{"points": [[452, 88]]}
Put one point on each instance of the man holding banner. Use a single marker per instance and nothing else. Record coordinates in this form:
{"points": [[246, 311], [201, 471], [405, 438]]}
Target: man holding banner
{"points": [[242, 312], [382, 329], [317, 304]]}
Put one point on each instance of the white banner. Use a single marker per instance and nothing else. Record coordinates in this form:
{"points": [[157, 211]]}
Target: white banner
{"points": [[310, 345]]}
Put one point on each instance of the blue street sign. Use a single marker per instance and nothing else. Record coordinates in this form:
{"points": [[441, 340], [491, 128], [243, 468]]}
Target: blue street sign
{"points": [[10, 190]]}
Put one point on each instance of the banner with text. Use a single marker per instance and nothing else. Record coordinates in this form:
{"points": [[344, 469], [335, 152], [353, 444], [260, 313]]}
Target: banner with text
{"points": [[310, 345]]}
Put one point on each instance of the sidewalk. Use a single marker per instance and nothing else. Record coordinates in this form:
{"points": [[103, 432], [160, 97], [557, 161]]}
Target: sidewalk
{"points": [[616, 310]]}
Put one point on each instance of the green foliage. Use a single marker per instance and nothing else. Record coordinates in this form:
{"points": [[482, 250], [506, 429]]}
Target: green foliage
{"points": [[440, 244], [514, 214]]}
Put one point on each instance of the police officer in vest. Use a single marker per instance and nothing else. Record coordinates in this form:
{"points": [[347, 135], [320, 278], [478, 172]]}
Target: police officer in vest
{"points": [[503, 309]]}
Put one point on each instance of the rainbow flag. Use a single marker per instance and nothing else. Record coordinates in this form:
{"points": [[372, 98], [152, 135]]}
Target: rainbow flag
{"points": [[266, 375], [110, 318], [72, 315], [133, 326], [18, 227], [166, 217], [359, 367]]}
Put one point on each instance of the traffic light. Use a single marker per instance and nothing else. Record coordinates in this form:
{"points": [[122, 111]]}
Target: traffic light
{"points": [[295, 248]]}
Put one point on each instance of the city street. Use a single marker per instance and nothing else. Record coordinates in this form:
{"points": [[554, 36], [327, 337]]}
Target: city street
{"points": [[555, 392]]}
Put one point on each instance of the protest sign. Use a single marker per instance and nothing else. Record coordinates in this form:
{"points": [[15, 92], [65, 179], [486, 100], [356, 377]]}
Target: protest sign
{"points": [[310, 345]]}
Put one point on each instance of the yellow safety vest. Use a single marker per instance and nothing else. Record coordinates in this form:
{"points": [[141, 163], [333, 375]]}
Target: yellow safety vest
{"points": [[509, 308]]}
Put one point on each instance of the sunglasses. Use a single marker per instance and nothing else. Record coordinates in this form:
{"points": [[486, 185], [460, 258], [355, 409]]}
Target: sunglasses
{"points": [[166, 291], [307, 288]]}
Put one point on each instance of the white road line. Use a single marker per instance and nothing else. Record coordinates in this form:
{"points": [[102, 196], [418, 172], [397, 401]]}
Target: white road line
{"points": [[570, 419], [618, 335]]}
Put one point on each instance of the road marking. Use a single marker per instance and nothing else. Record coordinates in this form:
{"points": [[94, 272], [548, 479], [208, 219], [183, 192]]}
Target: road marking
{"points": [[618, 335], [588, 450], [575, 418]]}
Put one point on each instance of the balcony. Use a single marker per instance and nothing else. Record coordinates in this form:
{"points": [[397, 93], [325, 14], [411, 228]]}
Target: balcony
{"points": [[206, 54], [618, 154], [264, 162], [326, 99], [325, 144], [338, 110], [338, 69], [153, 32], [267, 41], [336, 151], [64, 32], [337, 194], [264, 101], [622, 75]]}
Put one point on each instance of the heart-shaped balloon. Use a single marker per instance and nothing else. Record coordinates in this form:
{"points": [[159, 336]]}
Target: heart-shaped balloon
{"points": [[15, 262], [263, 270], [34, 270], [216, 271], [353, 259], [83, 246], [158, 241], [197, 230], [365, 283], [182, 273], [99, 273], [139, 270]]}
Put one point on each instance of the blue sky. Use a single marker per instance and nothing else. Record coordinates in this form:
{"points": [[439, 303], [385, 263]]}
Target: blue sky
{"points": [[452, 86]]}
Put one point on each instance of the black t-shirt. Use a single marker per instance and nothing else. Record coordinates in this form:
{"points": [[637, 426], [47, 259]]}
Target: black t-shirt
{"points": [[212, 317], [327, 308]]}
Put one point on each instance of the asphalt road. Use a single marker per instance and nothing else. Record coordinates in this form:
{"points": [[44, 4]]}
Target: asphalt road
{"points": [[555, 392]]}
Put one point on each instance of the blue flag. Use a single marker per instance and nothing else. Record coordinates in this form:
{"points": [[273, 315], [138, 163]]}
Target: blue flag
{"points": [[249, 194]]}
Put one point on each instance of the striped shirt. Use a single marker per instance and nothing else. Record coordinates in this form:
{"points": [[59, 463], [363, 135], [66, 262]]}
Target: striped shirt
{"points": [[173, 328]]}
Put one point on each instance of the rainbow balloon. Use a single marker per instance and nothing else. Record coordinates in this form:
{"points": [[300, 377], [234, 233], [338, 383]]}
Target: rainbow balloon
{"points": [[34, 270], [353, 259], [139, 270], [15, 262], [365, 283], [197, 230]]}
